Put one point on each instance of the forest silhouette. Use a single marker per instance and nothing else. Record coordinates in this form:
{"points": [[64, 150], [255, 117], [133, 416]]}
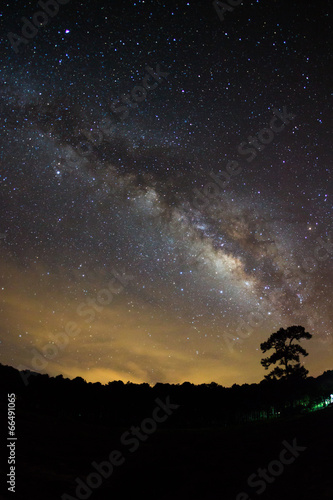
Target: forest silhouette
{"points": [[183, 441], [119, 403]]}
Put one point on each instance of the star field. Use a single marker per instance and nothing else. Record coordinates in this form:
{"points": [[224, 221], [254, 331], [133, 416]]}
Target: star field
{"points": [[180, 165]]}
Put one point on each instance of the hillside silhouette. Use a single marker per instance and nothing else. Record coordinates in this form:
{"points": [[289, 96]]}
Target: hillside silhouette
{"points": [[205, 442], [200, 405]]}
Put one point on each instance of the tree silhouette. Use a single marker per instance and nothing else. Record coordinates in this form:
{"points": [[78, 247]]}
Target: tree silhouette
{"points": [[286, 353]]}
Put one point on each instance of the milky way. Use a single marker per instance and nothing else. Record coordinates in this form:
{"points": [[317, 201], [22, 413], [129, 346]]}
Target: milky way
{"points": [[178, 162]]}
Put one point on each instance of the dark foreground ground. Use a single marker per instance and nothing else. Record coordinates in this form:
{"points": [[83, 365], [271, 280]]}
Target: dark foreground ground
{"points": [[210, 463]]}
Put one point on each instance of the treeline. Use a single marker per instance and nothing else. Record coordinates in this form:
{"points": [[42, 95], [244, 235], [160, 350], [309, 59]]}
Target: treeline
{"points": [[121, 405]]}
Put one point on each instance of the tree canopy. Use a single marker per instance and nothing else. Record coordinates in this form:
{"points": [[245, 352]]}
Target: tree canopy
{"points": [[287, 353]]}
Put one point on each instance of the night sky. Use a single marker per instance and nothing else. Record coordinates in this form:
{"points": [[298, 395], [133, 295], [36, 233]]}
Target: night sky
{"points": [[166, 189]]}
